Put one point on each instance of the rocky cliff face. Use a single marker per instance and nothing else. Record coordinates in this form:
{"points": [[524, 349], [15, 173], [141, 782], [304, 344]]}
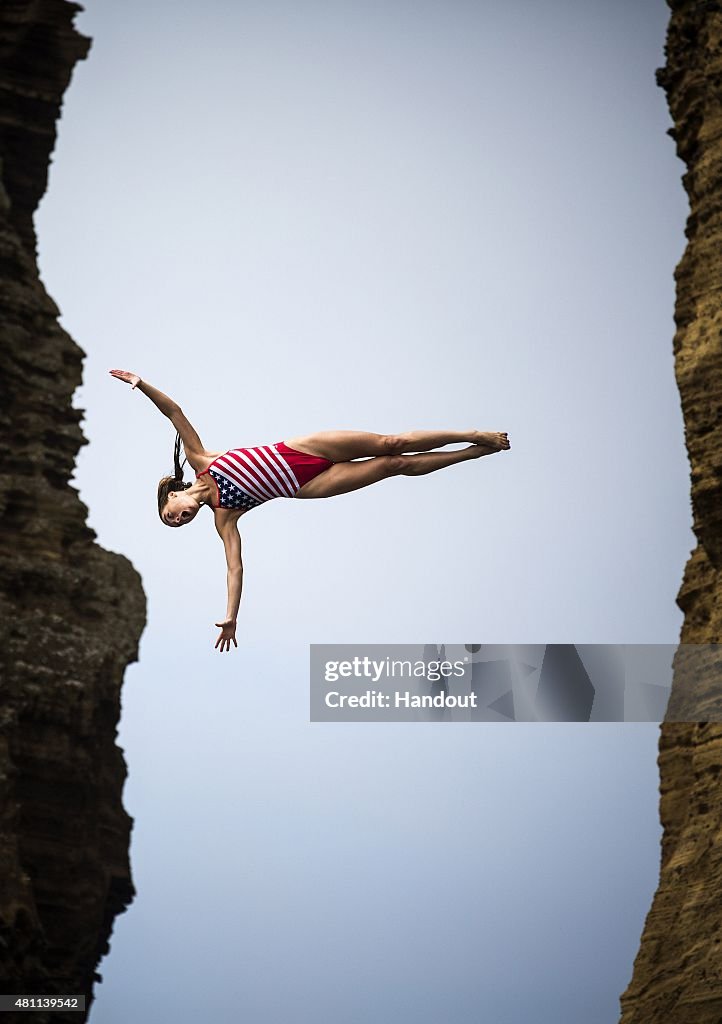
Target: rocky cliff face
{"points": [[677, 975], [71, 613]]}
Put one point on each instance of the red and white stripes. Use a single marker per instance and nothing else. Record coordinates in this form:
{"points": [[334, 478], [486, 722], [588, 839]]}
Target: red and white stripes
{"points": [[260, 472]]}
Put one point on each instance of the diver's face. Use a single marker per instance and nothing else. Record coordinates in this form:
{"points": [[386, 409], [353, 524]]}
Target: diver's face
{"points": [[179, 509]]}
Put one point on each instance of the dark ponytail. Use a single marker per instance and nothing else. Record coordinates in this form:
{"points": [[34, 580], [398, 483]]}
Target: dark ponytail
{"points": [[177, 464], [175, 482]]}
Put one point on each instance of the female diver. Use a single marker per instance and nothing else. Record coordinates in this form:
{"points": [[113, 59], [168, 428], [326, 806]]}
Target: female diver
{"points": [[314, 466]]}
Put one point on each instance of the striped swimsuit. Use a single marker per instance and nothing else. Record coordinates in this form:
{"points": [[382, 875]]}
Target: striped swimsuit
{"points": [[246, 477]]}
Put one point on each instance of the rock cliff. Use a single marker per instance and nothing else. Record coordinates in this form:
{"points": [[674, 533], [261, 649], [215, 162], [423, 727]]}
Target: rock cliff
{"points": [[71, 614], [677, 977]]}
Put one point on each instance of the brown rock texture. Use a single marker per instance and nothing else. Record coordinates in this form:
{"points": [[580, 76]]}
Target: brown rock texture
{"points": [[71, 614], [677, 977]]}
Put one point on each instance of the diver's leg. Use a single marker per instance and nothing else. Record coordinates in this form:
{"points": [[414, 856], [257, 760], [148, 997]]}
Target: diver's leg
{"points": [[351, 476], [344, 445]]}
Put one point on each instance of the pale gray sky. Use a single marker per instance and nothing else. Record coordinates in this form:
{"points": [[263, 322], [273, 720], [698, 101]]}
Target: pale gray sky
{"points": [[294, 217]]}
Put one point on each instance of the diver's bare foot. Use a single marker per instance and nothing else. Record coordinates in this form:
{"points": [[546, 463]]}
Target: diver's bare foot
{"points": [[494, 442]]}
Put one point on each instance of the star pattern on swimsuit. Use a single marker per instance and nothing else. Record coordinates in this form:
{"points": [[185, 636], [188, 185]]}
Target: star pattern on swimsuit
{"points": [[231, 496]]}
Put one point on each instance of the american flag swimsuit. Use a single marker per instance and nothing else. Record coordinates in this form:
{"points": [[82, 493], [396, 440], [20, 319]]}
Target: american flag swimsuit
{"points": [[246, 477]]}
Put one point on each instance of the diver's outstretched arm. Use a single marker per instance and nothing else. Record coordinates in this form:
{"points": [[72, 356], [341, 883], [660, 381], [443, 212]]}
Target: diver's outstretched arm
{"points": [[189, 436], [228, 532]]}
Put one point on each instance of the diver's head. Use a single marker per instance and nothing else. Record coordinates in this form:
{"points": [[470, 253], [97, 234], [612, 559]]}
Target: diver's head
{"points": [[175, 507]]}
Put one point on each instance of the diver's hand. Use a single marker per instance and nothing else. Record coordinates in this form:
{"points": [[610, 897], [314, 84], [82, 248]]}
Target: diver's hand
{"points": [[228, 633], [128, 378]]}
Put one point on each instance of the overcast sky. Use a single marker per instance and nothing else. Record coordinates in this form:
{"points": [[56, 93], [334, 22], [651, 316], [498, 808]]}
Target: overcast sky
{"points": [[297, 217]]}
